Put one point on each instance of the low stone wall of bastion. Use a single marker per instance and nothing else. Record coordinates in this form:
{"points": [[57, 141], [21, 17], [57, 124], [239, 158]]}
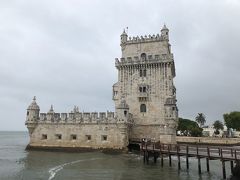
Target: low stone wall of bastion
{"points": [[79, 132]]}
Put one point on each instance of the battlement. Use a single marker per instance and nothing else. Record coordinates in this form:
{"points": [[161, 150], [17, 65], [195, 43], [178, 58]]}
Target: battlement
{"points": [[78, 117], [146, 38], [158, 58]]}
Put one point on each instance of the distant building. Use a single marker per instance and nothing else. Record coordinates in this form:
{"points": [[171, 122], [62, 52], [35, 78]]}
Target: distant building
{"points": [[144, 96], [210, 131]]}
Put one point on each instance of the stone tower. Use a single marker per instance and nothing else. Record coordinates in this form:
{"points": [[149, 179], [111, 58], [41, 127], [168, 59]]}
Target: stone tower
{"points": [[32, 115], [145, 83]]}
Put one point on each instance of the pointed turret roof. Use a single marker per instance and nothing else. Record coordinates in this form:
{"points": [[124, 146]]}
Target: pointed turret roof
{"points": [[51, 109], [33, 105], [124, 32], [164, 28]]}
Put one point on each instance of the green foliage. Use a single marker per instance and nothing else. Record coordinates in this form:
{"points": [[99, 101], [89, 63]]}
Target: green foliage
{"points": [[217, 126], [200, 119], [232, 120], [189, 127]]}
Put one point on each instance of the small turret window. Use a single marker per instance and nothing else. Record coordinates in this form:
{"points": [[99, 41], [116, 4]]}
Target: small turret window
{"points": [[27, 113], [143, 108], [125, 113], [44, 136], [104, 137]]}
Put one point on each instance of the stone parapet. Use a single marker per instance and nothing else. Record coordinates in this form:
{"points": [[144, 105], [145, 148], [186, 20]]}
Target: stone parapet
{"points": [[78, 117], [146, 38], [148, 60]]}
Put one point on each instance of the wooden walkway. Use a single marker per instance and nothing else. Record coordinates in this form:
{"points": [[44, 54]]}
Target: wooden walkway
{"points": [[223, 153]]}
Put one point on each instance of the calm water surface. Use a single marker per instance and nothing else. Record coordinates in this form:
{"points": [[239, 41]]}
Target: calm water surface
{"points": [[18, 164]]}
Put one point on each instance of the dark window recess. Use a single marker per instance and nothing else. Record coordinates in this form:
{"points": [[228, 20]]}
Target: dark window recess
{"points": [[88, 137], [104, 138], [58, 136], [143, 108], [125, 113], [143, 72], [73, 137], [142, 89], [44, 136], [27, 113]]}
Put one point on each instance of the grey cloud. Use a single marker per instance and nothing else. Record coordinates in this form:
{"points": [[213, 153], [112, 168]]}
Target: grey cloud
{"points": [[63, 52]]}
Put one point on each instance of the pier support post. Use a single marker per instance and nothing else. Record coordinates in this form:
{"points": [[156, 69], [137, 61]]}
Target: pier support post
{"points": [[147, 157], [199, 166], [187, 162], [155, 157], [223, 169], [179, 163], [231, 164], [170, 160], [207, 161], [162, 159], [169, 156]]}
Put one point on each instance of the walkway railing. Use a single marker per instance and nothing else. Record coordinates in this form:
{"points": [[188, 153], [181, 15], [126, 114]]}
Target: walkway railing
{"points": [[222, 153]]}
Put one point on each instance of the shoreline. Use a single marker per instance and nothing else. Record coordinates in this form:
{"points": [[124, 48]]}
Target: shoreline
{"points": [[74, 149]]}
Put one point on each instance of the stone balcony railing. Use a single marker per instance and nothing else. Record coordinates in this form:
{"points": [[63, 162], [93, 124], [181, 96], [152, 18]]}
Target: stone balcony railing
{"points": [[143, 94], [150, 59]]}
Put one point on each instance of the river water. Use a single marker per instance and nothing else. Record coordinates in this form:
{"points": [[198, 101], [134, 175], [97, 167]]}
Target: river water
{"points": [[18, 164]]}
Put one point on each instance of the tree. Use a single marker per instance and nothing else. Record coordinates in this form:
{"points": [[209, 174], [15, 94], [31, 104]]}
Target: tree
{"points": [[189, 127], [232, 120], [200, 119], [217, 126]]}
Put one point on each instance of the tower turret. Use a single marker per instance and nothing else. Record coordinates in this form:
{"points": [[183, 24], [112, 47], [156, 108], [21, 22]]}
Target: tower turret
{"points": [[122, 110], [32, 115], [50, 114], [124, 37], [33, 111], [165, 32]]}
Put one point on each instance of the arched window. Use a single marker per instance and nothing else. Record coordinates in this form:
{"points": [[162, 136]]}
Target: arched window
{"points": [[143, 56], [143, 108]]}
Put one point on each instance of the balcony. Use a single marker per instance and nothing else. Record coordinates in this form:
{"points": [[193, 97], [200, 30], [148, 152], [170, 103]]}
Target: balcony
{"points": [[142, 94]]}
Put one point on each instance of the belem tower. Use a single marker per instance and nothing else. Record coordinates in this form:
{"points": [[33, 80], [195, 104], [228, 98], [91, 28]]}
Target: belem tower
{"points": [[144, 97]]}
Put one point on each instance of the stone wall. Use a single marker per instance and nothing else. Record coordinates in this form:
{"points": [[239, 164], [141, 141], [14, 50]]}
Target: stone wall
{"points": [[207, 140], [95, 136]]}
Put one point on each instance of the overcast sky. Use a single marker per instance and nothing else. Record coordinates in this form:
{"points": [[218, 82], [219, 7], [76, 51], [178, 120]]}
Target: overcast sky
{"points": [[63, 52]]}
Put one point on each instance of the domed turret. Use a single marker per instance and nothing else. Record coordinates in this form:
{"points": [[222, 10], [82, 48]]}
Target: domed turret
{"points": [[32, 116], [165, 32], [33, 105], [33, 111]]}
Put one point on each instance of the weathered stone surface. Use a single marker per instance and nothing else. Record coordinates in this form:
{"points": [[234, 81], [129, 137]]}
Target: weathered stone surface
{"points": [[144, 96]]}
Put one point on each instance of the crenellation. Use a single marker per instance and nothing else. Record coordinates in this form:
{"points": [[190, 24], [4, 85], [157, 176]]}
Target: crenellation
{"points": [[145, 38], [150, 59]]}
